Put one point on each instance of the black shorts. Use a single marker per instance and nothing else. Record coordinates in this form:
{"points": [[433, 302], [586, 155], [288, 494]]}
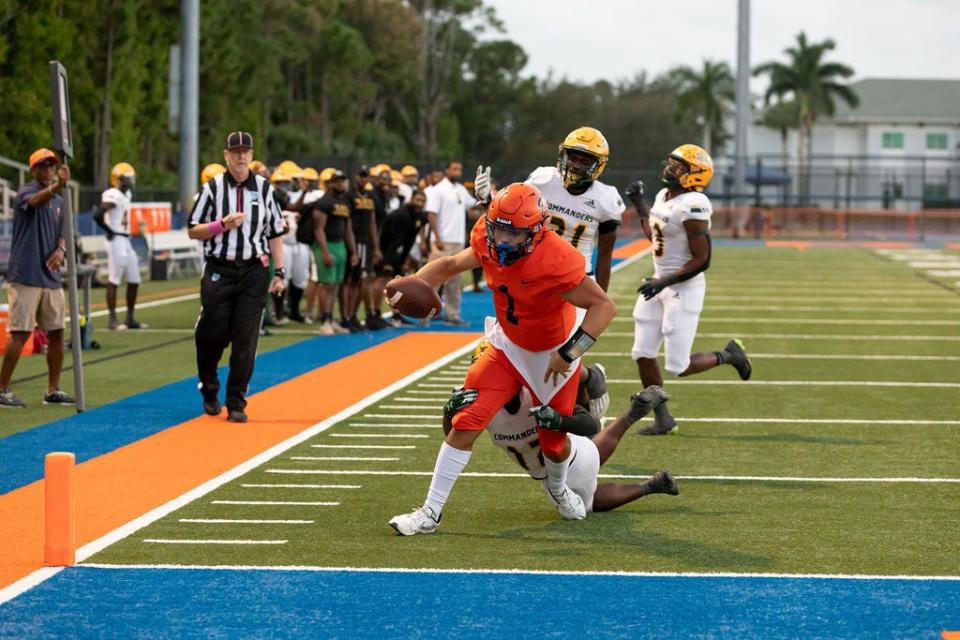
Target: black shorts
{"points": [[364, 264], [388, 269]]}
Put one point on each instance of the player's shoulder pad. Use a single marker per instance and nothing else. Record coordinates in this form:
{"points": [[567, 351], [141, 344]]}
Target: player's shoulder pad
{"points": [[696, 204], [542, 176], [111, 195], [610, 200]]}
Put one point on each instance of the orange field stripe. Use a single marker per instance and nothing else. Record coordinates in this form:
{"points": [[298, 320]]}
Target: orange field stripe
{"points": [[119, 486], [631, 248], [789, 244], [953, 245]]}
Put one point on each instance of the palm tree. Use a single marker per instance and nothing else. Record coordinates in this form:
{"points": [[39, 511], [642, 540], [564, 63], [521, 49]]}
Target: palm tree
{"points": [[706, 94], [813, 84]]}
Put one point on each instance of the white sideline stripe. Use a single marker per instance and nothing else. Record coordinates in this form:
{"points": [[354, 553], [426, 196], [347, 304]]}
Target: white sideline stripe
{"points": [[123, 531], [276, 503], [410, 406], [390, 425], [626, 574], [226, 521], [377, 435], [175, 541], [811, 356], [811, 383], [804, 336], [816, 421], [364, 446], [945, 273], [302, 486], [853, 321], [399, 415], [620, 476], [145, 305], [345, 459]]}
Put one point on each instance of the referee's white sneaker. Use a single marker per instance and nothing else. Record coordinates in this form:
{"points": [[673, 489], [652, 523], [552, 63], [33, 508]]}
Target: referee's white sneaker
{"points": [[420, 520], [568, 504]]}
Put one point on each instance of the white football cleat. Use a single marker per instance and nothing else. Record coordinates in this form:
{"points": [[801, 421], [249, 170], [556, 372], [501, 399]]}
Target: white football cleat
{"points": [[568, 504], [420, 520]]}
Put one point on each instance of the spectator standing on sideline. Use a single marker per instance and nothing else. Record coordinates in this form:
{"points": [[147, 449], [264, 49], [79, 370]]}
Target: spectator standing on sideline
{"points": [[447, 205], [357, 281], [400, 231], [239, 219], [35, 292], [113, 216], [333, 247]]}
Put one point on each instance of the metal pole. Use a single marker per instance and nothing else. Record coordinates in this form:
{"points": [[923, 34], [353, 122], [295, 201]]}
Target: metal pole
{"points": [[190, 58], [743, 100], [76, 345]]}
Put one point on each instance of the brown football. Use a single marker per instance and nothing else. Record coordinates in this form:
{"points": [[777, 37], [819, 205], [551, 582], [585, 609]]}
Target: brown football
{"points": [[413, 297]]}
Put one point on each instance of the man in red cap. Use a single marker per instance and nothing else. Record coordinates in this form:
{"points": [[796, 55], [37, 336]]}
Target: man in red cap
{"points": [[35, 293]]}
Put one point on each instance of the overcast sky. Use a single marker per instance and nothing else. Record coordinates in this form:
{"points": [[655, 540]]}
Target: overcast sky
{"points": [[588, 40]]}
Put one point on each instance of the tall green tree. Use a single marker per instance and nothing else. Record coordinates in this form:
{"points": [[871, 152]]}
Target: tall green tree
{"points": [[705, 94], [814, 84]]}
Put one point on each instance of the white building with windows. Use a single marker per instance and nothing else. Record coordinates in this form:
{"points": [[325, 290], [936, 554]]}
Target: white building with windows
{"points": [[899, 148]]}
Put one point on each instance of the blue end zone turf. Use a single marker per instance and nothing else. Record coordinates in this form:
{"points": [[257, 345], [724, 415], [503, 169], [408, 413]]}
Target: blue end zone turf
{"points": [[155, 603]]}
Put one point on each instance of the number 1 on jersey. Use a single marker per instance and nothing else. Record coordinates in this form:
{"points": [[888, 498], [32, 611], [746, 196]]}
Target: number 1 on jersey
{"points": [[658, 240], [511, 318]]}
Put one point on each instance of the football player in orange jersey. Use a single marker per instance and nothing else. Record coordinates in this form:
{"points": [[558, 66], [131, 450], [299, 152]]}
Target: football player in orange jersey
{"points": [[537, 280]]}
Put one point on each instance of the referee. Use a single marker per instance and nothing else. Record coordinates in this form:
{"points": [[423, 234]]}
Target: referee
{"points": [[238, 218]]}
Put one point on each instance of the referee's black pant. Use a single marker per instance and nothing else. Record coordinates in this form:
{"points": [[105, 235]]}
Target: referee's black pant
{"points": [[232, 298]]}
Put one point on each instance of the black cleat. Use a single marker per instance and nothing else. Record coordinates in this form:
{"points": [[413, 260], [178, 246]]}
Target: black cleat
{"points": [[212, 408], [663, 482], [663, 423], [236, 415], [736, 356]]}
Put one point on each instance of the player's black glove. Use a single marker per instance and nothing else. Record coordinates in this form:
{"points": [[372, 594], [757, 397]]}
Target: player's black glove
{"points": [[459, 399], [547, 417], [634, 191], [652, 286]]}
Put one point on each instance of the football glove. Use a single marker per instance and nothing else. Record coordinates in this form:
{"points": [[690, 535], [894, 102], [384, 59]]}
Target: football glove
{"points": [[634, 191], [481, 184], [460, 399], [596, 386], [651, 287], [547, 417]]}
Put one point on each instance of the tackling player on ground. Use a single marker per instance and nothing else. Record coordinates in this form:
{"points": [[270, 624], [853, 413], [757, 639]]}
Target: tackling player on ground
{"points": [[514, 429], [669, 305], [537, 280]]}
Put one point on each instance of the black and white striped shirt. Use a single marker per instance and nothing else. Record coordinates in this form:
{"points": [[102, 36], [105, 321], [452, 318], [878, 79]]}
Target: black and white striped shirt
{"points": [[222, 196]]}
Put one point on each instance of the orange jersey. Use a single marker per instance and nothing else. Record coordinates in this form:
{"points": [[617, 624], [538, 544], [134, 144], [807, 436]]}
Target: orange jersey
{"points": [[526, 294]]}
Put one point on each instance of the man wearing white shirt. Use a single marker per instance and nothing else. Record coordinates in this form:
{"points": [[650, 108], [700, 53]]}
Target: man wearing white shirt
{"points": [[447, 204]]}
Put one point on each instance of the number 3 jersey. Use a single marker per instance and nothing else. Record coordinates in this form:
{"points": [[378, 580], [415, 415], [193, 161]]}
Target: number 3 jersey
{"points": [[577, 219], [671, 249]]}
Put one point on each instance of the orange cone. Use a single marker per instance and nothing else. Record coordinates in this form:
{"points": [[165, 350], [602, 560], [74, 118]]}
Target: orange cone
{"points": [[59, 547]]}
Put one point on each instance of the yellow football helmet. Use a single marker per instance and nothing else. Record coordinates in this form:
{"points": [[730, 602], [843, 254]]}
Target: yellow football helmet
{"points": [[290, 169], [309, 173], [325, 174], [479, 349], [699, 168], [121, 170], [211, 171], [409, 170], [279, 175], [585, 142]]}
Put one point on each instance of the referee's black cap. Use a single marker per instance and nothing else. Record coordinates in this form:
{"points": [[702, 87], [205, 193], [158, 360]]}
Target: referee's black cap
{"points": [[239, 140]]}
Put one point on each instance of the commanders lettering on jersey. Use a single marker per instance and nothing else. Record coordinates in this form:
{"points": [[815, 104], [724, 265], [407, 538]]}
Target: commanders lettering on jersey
{"points": [[556, 208], [514, 437]]}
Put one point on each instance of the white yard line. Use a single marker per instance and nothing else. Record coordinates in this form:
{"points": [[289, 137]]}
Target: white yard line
{"points": [[411, 406], [363, 446], [176, 541], [345, 458], [389, 425], [808, 383], [123, 531], [625, 574], [302, 486], [805, 336], [229, 521], [807, 356], [405, 416], [276, 503], [830, 421], [822, 321], [379, 472], [378, 435], [415, 399], [826, 308], [776, 298], [427, 393]]}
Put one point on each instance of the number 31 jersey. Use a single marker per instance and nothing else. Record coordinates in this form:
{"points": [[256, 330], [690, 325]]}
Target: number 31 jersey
{"points": [[577, 218], [671, 249]]}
